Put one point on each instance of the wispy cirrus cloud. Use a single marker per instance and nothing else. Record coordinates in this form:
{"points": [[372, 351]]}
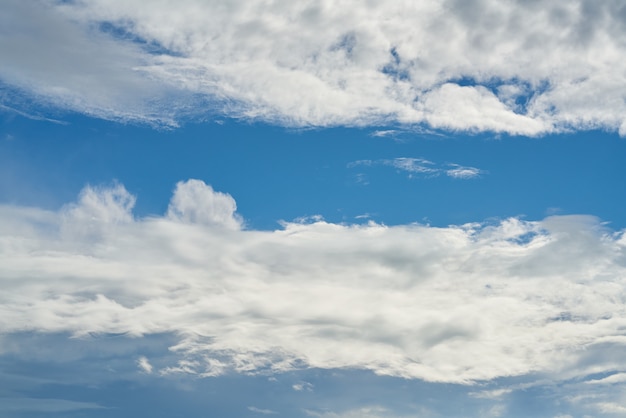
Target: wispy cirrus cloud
{"points": [[261, 411], [513, 67], [460, 172], [421, 168], [144, 365], [49, 405], [365, 412]]}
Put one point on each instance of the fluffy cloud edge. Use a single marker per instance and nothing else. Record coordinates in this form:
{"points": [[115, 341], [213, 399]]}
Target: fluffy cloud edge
{"points": [[435, 63], [459, 304]]}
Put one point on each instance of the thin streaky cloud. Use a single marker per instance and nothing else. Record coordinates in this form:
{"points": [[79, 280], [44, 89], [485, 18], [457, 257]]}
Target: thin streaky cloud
{"points": [[46, 405], [421, 166], [461, 172], [384, 133], [261, 411], [144, 365]]}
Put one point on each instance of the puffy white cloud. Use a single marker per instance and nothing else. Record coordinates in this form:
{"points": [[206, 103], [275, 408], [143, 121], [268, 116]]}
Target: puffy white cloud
{"points": [[457, 304], [506, 66], [197, 203]]}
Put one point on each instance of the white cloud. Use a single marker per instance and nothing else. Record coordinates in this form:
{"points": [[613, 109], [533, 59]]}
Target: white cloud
{"points": [[518, 67], [609, 380], [366, 412], [457, 304], [412, 165], [491, 394], [420, 167], [144, 365], [63, 62], [195, 202], [302, 386], [384, 133], [261, 411], [45, 405], [611, 408], [496, 411], [460, 172]]}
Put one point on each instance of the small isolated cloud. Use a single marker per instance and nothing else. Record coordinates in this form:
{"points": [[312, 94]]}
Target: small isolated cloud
{"points": [[422, 168], [261, 411], [144, 365], [361, 178], [384, 133], [302, 386], [460, 172]]}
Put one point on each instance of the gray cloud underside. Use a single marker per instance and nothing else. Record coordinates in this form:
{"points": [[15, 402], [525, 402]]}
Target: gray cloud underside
{"points": [[520, 67], [457, 304]]}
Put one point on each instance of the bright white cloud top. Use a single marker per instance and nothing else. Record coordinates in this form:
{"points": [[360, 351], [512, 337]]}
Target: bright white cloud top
{"points": [[114, 306], [458, 304], [517, 67]]}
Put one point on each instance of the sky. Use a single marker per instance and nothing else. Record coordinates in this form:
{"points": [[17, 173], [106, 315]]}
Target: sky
{"points": [[347, 209]]}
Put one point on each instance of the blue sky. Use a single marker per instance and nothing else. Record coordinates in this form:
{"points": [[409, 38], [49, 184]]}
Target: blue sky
{"points": [[306, 209]]}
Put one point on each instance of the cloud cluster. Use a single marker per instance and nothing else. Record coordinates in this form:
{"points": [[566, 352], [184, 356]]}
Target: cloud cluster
{"points": [[512, 66], [457, 304]]}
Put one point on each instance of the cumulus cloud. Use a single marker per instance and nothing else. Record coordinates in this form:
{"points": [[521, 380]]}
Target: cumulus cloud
{"points": [[195, 202], [458, 304], [510, 66]]}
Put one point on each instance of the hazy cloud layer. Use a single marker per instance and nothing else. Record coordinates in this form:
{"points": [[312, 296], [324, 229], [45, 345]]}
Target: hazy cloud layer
{"points": [[458, 304], [521, 67]]}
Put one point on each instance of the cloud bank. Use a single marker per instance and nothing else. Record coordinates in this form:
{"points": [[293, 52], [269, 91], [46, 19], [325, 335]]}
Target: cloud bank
{"points": [[517, 67], [458, 304]]}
